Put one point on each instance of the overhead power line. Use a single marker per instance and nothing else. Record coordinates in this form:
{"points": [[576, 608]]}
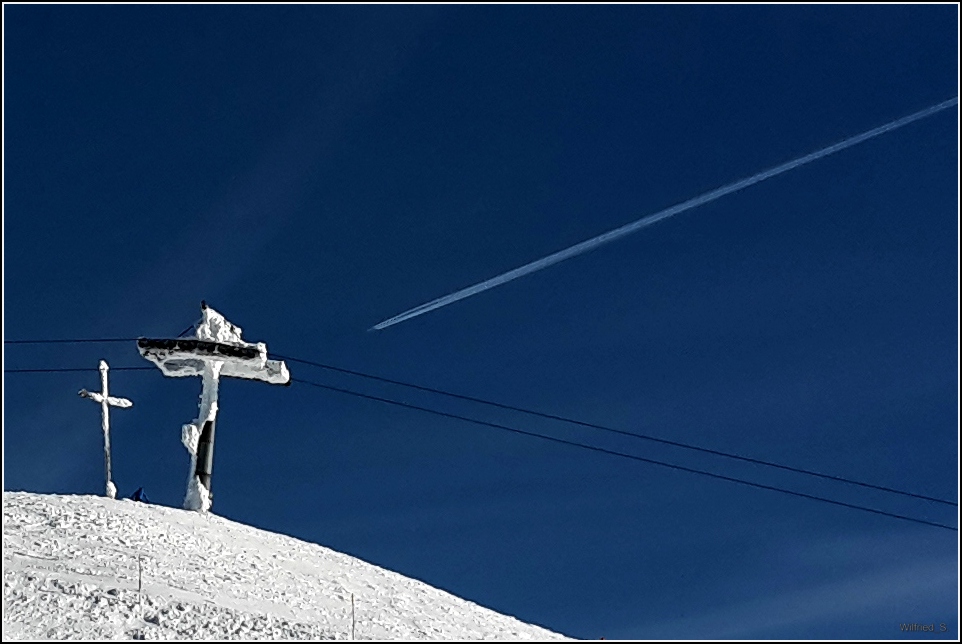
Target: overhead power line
{"points": [[621, 432], [664, 441], [553, 439], [624, 455], [76, 369], [74, 341]]}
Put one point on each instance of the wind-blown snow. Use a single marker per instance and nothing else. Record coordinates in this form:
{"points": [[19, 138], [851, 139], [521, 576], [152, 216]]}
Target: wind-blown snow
{"points": [[70, 570]]}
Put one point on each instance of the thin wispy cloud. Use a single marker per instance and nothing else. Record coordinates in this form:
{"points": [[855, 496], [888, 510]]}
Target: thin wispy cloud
{"points": [[863, 589]]}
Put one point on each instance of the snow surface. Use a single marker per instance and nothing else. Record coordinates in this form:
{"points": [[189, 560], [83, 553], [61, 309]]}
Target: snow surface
{"points": [[71, 566]]}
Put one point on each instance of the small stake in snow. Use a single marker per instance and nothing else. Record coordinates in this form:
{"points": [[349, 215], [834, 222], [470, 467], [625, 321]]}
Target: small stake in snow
{"points": [[106, 401], [140, 585], [217, 351]]}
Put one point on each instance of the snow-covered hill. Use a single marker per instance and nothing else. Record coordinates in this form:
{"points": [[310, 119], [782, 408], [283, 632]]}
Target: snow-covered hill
{"points": [[70, 570]]}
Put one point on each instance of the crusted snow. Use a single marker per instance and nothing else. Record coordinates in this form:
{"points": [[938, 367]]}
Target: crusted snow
{"points": [[72, 566], [215, 327]]}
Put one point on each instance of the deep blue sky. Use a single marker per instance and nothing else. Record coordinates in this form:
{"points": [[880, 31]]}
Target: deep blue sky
{"points": [[312, 170]]}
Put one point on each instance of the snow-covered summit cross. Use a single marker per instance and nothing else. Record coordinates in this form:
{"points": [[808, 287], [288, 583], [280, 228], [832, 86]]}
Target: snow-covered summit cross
{"points": [[106, 401], [217, 351]]}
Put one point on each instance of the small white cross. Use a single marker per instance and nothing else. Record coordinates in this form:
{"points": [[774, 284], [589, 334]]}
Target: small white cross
{"points": [[106, 401]]}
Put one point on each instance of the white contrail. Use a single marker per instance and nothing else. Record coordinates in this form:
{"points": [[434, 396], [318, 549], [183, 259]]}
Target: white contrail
{"points": [[627, 229]]}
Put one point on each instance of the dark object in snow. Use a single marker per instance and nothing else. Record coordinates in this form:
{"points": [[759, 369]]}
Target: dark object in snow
{"points": [[140, 495]]}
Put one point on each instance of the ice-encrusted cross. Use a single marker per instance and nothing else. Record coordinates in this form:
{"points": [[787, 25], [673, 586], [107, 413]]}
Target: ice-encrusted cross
{"points": [[106, 401]]}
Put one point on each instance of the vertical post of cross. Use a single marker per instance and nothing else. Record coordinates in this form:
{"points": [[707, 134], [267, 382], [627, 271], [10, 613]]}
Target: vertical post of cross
{"points": [[205, 447]]}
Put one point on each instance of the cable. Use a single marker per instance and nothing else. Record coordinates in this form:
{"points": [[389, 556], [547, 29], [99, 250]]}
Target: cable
{"points": [[542, 436], [663, 441], [77, 369], [623, 455], [75, 341], [706, 450]]}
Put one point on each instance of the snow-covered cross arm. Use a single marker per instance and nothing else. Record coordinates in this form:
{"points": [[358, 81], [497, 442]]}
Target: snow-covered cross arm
{"points": [[106, 401], [217, 350], [123, 403]]}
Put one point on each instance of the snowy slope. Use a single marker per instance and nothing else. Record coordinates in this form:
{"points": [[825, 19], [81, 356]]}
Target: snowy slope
{"points": [[70, 570]]}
